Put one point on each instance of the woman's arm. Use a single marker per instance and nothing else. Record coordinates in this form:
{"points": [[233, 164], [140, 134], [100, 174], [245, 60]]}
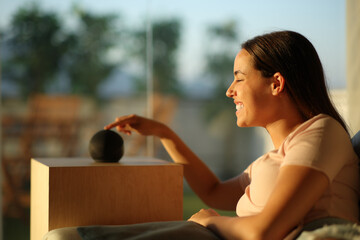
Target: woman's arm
{"points": [[295, 193], [216, 194]]}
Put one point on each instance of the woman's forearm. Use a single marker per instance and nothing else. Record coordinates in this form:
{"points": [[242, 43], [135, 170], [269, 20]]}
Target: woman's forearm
{"points": [[200, 178], [242, 228], [248, 228]]}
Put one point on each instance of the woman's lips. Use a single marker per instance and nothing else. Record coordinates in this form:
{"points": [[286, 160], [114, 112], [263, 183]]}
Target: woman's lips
{"points": [[239, 105]]}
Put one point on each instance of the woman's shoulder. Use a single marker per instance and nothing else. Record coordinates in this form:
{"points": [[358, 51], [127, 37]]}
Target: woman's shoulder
{"points": [[320, 132], [321, 143], [321, 124]]}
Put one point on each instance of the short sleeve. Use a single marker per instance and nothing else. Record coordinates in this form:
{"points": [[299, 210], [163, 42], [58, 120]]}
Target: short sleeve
{"points": [[245, 177], [323, 145]]}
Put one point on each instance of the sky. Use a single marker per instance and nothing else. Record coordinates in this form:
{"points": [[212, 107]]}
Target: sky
{"points": [[321, 21]]}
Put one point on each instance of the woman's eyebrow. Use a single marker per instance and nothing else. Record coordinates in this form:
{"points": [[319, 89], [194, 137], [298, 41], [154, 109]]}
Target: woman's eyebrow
{"points": [[238, 72]]}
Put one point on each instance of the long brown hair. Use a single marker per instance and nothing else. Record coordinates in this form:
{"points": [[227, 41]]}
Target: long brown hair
{"points": [[293, 55]]}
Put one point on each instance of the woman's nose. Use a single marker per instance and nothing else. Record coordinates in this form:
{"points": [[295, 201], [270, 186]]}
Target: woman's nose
{"points": [[230, 92]]}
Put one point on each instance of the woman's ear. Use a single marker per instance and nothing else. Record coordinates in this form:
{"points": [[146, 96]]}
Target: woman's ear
{"points": [[278, 84]]}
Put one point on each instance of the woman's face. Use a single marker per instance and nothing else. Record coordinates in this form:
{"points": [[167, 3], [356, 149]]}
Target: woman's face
{"points": [[251, 93]]}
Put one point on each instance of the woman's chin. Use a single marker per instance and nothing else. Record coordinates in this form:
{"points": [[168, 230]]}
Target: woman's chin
{"points": [[241, 123]]}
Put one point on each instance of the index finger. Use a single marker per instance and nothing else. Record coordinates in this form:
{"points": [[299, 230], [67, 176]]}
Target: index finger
{"points": [[111, 125], [119, 122]]}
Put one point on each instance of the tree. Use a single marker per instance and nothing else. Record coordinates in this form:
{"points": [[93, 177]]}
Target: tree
{"points": [[166, 38], [220, 55], [219, 111], [88, 64], [41, 50], [37, 44]]}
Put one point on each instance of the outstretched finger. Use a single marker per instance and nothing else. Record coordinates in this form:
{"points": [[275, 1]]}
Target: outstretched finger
{"points": [[111, 125], [122, 121]]}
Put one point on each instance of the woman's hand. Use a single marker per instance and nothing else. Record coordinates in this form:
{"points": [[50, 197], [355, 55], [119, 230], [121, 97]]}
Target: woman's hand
{"points": [[141, 125], [203, 216]]}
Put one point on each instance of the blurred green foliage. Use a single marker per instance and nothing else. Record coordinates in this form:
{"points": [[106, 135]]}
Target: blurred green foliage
{"points": [[219, 110], [37, 43], [43, 51], [87, 63], [220, 57], [165, 40]]}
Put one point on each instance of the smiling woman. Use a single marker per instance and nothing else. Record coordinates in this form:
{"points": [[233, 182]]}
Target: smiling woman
{"points": [[312, 173], [251, 92], [324, 25], [311, 177]]}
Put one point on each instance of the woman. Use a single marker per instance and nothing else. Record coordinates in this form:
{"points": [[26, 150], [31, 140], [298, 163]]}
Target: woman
{"points": [[311, 176]]}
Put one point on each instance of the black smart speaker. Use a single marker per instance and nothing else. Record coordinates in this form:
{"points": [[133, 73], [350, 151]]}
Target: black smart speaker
{"points": [[106, 146]]}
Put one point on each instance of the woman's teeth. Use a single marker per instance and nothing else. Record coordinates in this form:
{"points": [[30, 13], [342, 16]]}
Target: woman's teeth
{"points": [[239, 106]]}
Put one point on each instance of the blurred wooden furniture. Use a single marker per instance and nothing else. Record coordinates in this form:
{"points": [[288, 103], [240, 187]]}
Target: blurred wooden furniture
{"points": [[52, 117], [79, 191], [51, 120]]}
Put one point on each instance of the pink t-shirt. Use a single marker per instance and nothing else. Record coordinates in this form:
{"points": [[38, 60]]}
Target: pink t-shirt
{"points": [[320, 143]]}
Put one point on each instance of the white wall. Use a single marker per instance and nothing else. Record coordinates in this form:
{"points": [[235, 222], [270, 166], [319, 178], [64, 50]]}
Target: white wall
{"points": [[353, 62]]}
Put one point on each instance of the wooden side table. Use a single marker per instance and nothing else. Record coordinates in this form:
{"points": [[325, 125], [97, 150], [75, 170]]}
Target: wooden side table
{"points": [[69, 192]]}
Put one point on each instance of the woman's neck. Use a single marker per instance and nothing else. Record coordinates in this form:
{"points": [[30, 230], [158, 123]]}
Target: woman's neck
{"points": [[284, 122], [280, 129], [285, 119]]}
